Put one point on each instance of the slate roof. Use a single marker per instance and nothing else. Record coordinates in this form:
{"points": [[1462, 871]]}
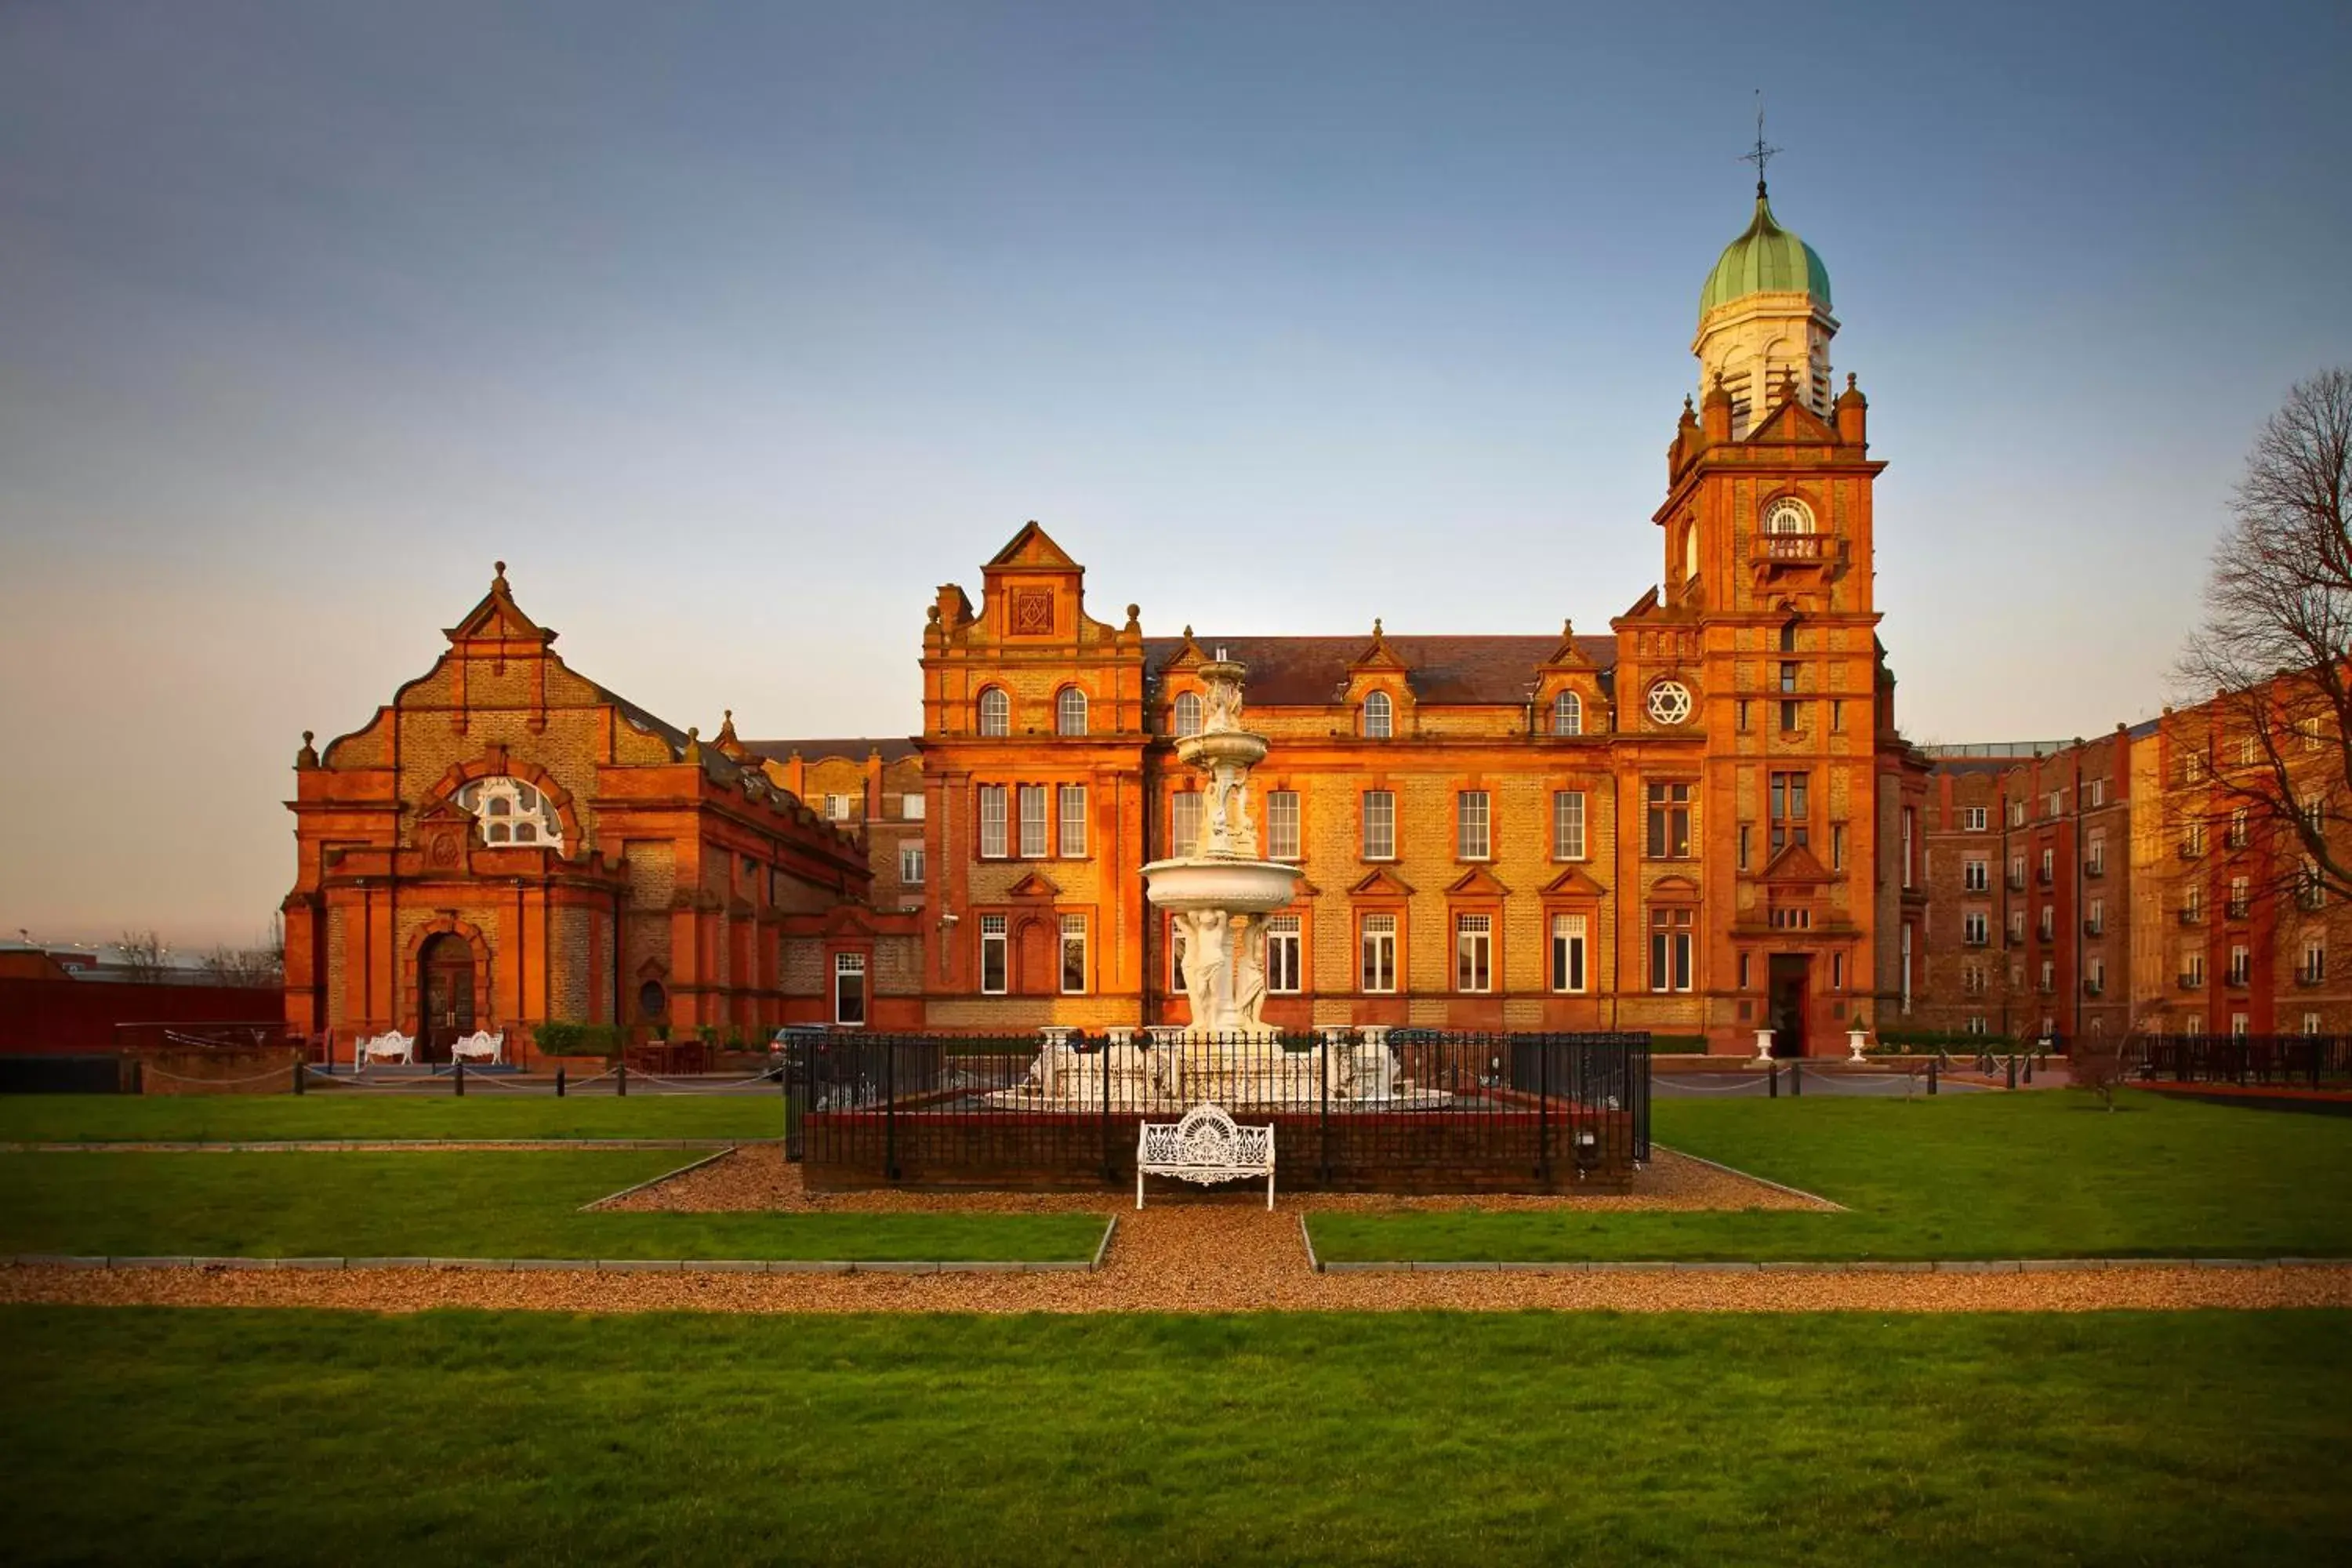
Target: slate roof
{"points": [[894, 748], [1441, 670]]}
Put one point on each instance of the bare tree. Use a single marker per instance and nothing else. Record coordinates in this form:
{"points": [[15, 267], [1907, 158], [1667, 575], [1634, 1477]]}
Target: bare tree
{"points": [[2273, 764], [251, 966], [145, 956]]}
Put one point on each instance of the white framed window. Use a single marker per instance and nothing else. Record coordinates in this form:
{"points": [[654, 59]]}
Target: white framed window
{"points": [[2314, 968], [1787, 515], [1976, 874], [2237, 1026], [1074, 956], [1285, 970], [2049, 976], [1567, 952], [849, 988], [1380, 825], [1471, 839], [2048, 865], [2241, 965], [993, 844], [1568, 714], [2095, 793], [1380, 715], [2049, 921], [1975, 928], [1070, 712], [2240, 897], [512, 811], [2095, 853], [910, 807], [1071, 842], [2311, 1024], [910, 863], [1972, 818], [1378, 945], [2192, 967], [995, 958], [1568, 824], [1473, 952], [1670, 949], [836, 808], [1281, 824], [2017, 925], [2096, 917], [2094, 975], [1033, 822], [1184, 821], [1976, 1023], [995, 713], [1837, 846], [1187, 718]]}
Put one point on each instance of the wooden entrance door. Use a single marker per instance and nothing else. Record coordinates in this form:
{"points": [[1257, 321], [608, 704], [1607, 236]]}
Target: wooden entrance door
{"points": [[446, 1009], [1791, 976]]}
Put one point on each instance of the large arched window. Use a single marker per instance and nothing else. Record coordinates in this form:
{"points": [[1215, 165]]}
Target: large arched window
{"points": [[1188, 713], [1787, 515], [1380, 716], [1567, 714], [510, 811], [1070, 712], [995, 713]]}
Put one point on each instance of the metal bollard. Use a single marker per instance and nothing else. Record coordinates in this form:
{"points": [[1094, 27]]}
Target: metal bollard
{"points": [[621, 1080], [458, 1073], [2012, 1070], [1772, 1081], [300, 1072], [1931, 1075], [559, 1080], [1797, 1077], [2028, 1066]]}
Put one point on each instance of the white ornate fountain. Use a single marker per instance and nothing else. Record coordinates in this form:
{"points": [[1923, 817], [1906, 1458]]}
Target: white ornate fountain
{"points": [[1220, 895]]}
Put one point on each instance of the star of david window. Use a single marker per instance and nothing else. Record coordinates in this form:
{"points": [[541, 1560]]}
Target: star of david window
{"points": [[1669, 702], [510, 811]]}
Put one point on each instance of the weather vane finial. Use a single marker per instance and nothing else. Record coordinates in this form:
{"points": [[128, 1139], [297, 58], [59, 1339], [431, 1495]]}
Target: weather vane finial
{"points": [[1763, 154]]}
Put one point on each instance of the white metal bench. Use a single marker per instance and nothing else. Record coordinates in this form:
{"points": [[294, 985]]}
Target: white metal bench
{"points": [[482, 1045], [1204, 1147], [392, 1046]]}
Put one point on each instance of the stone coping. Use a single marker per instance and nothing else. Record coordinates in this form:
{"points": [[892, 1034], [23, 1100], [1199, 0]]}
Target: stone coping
{"points": [[1854, 1266], [374, 1145]]}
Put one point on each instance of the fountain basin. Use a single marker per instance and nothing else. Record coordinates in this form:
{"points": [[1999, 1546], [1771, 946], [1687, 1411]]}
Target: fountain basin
{"points": [[1204, 882], [1236, 748]]}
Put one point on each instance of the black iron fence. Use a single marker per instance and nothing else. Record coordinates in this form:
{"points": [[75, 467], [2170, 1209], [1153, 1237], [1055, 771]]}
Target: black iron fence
{"points": [[2312, 1061], [1418, 1111]]}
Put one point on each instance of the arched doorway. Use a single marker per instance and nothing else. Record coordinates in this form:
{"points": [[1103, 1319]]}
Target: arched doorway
{"points": [[446, 994]]}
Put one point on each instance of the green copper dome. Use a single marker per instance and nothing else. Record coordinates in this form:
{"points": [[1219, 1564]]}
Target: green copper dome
{"points": [[1767, 258]]}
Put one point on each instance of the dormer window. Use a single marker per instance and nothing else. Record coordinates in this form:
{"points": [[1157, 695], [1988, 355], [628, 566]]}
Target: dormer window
{"points": [[1070, 712], [1380, 716], [995, 713], [1568, 714], [1188, 713], [512, 812]]}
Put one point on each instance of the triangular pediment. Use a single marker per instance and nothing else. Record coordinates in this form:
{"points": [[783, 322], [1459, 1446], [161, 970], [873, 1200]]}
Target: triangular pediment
{"points": [[1377, 654], [496, 617], [1567, 656], [1675, 888], [1797, 863], [1477, 882], [1035, 885], [1033, 547], [1574, 883], [1792, 421], [1383, 883]]}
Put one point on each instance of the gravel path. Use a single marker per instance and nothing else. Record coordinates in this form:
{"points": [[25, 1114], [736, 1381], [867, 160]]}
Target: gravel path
{"points": [[760, 1178], [1198, 1259]]}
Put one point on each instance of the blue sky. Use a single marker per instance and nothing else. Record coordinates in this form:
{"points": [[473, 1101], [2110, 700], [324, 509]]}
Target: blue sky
{"points": [[735, 329]]}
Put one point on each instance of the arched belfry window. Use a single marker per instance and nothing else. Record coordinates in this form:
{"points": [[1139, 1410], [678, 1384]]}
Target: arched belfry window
{"points": [[1568, 714], [995, 713], [1188, 713], [510, 811], [1787, 515], [1070, 712], [1380, 716]]}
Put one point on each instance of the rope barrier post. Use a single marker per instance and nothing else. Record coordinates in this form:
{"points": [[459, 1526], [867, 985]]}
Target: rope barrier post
{"points": [[1797, 1078], [559, 1080], [458, 1072], [301, 1071], [1931, 1075], [2028, 1066], [1772, 1081], [2012, 1070], [621, 1079]]}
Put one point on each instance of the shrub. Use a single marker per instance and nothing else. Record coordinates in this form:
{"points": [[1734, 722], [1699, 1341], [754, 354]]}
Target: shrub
{"points": [[562, 1039]]}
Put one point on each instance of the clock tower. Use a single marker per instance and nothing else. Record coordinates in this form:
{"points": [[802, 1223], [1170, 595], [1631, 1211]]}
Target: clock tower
{"points": [[1755, 677]]}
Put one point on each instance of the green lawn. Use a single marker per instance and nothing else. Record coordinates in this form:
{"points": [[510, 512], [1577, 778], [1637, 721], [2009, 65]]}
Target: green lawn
{"points": [[2047, 1174], [488, 1203], [144, 1435], [351, 1113]]}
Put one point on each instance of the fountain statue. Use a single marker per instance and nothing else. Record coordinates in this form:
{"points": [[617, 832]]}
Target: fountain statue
{"points": [[1218, 895]]}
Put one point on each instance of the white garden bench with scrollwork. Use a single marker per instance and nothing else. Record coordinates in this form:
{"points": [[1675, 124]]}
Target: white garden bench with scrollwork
{"points": [[392, 1046], [1205, 1147], [482, 1045]]}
